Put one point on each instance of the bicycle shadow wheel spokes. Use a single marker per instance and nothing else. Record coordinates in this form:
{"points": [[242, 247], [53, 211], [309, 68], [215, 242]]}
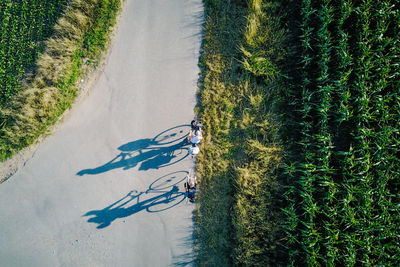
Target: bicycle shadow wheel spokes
{"points": [[168, 180], [171, 135], [180, 156], [167, 202]]}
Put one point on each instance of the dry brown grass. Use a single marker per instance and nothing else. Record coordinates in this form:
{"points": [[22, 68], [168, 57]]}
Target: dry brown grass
{"points": [[238, 217]]}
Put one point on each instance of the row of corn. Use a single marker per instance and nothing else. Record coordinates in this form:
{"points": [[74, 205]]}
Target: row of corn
{"points": [[343, 167]]}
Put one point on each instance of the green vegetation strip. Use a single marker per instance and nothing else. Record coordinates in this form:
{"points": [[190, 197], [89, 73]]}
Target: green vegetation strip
{"points": [[238, 217], [341, 127], [321, 187], [79, 37]]}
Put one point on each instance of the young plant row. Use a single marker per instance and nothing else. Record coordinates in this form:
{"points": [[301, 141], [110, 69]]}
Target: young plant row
{"points": [[373, 163], [341, 168]]}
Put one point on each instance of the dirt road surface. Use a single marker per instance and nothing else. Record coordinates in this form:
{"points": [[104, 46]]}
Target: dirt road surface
{"points": [[106, 189]]}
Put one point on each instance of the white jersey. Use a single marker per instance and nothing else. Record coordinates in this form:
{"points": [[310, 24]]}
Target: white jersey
{"points": [[194, 150], [195, 140]]}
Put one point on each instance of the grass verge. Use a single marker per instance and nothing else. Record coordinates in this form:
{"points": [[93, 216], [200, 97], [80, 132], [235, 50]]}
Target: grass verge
{"points": [[239, 217]]}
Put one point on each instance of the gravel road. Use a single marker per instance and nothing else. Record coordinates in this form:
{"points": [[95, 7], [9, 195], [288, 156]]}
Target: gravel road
{"points": [[106, 189]]}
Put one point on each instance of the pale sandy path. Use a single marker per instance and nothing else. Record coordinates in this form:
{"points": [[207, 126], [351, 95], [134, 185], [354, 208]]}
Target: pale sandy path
{"points": [[106, 188]]}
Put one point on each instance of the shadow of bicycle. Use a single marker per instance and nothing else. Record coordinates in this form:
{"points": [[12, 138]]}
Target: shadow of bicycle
{"points": [[165, 149], [161, 195]]}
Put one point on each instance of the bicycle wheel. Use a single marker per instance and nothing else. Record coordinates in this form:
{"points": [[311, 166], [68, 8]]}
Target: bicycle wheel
{"points": [[167, 202], [168, 180], [171, 135]]}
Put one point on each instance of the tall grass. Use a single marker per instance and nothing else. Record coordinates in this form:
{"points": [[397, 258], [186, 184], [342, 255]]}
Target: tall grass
{"points": [[237, 221], [214, 227]]}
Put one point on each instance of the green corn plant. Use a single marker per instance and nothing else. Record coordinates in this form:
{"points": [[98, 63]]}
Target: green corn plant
{"points": [[383, 43]]}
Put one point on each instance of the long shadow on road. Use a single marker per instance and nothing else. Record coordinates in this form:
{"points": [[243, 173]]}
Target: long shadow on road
{"points": [[161, 195], [166, 148]]}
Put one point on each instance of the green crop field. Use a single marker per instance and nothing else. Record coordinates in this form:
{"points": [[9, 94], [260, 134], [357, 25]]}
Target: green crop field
{"points": [[24, 25], [343, 134], [301, 162]]}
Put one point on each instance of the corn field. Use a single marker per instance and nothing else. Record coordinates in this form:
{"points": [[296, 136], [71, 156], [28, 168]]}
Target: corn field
{"points": [[342, 135], [23, 26]]}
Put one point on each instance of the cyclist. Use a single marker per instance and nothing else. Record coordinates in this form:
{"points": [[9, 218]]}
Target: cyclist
{"points": [[190, 187]]}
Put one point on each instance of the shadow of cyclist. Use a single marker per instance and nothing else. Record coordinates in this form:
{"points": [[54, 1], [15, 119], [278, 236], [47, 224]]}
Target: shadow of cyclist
{"points": [[164, 149], [153, 158], [117, 210]]}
